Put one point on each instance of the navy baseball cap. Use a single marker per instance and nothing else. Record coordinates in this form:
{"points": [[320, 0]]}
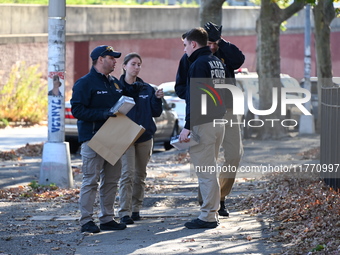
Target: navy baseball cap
{"points": [[104, 50]]}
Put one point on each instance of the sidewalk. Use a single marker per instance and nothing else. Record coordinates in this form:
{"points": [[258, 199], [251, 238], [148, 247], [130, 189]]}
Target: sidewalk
{"points": [[171, 200], [162, 232], [14, 137]]}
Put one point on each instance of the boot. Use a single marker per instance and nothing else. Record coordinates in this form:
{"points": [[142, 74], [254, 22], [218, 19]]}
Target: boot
{"points": [[223, 211], [135, 216]]}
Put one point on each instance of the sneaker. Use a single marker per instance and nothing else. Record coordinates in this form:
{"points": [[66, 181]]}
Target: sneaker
{"points": [[127, 220], [223, 211], [112, 225], [197, 223], [135, 216], [90, 227]]}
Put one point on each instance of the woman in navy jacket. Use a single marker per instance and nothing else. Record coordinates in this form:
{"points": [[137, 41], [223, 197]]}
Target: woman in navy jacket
{"points": [[148, 104]]}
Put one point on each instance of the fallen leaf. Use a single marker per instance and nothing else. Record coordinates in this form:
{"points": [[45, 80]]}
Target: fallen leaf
{"points": [[306, 209], [188, 240]]}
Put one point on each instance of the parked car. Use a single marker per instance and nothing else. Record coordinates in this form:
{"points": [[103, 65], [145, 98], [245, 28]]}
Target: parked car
{"points": [[167, 126], [314, 92], [249, 81], [71, 129], [171, 97]]}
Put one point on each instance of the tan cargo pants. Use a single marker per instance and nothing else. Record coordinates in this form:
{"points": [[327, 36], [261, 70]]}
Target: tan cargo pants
{"points": [[95, 169], [204, 158], [233, 152], [132, 182]]}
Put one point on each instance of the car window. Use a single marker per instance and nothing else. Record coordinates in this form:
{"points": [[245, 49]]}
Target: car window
{"points": [[289, 82], [247, 83]]}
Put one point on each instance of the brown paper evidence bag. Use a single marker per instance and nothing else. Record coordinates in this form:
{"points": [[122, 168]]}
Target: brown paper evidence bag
{"points": [[115, 137]]}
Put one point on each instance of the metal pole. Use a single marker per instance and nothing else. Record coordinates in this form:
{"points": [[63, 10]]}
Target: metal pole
{"points": [[56, 70], [56, 163], [307, 125]]}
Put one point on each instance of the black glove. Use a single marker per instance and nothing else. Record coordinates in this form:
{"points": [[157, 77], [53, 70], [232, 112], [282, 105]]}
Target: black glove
{"points": [[108, 114], [214, 31], [138, 85]]}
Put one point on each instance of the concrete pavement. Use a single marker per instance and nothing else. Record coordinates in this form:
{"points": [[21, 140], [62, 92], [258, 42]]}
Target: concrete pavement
{"points": [[162, 232], [171, 201], [16, 137]]}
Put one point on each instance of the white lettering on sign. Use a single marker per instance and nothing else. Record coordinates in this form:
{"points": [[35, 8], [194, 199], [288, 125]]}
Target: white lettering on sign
{"points": [[56, 120]]}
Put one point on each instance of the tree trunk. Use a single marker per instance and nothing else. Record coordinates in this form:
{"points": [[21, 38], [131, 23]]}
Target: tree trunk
{"points": [[268, 63], [324, 13], [268, 30], [211, 10]]}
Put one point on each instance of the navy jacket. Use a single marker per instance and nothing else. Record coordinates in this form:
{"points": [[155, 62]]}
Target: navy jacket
{"points": [[147, 106], [93, 94], [204, 65], [232, 59]]}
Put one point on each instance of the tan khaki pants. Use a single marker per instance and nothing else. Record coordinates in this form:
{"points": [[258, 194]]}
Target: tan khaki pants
{"points": [[233, 151], [204, 158], [95, 169], [132, 182]]}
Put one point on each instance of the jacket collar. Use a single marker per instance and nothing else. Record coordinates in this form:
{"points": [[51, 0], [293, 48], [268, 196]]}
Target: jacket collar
{"points": [[122, 79], [95, 72], [201, 51]]}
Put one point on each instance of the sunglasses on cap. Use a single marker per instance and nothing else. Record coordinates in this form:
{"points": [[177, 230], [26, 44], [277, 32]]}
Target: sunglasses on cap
{"points": [[108, 49]]}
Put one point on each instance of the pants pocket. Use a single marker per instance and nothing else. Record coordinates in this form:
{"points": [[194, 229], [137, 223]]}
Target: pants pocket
{"points": [[88, 157], [196, 130]]}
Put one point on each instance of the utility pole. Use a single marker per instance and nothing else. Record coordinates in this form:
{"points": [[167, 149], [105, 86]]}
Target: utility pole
{"points": [[56, 164], [307, 125]]}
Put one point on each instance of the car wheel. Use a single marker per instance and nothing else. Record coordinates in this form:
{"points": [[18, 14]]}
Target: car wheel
{"points": [[175, 132]]}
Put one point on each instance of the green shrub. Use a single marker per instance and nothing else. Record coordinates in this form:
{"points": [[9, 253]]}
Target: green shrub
{"points": [[24, 96]]}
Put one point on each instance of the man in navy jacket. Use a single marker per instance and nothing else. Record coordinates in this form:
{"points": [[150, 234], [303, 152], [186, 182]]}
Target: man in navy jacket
{"points": [[93, 96], [232, 59], [205, 70]]}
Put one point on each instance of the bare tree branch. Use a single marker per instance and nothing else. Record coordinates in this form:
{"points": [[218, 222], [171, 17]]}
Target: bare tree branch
{"points": [[295, 7]]}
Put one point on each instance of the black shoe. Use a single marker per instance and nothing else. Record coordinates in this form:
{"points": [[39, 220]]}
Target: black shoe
{"points": [[135, 216], [112, 225], [90, 227], [127, 220], [223, 211], [197, 223]]}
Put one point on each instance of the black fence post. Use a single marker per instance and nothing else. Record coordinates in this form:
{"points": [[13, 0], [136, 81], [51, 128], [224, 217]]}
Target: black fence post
{"points": [[330, 136]]}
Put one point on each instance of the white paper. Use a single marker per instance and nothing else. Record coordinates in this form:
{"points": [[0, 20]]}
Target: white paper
{"points": [[123, 105], [194, 140]]}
